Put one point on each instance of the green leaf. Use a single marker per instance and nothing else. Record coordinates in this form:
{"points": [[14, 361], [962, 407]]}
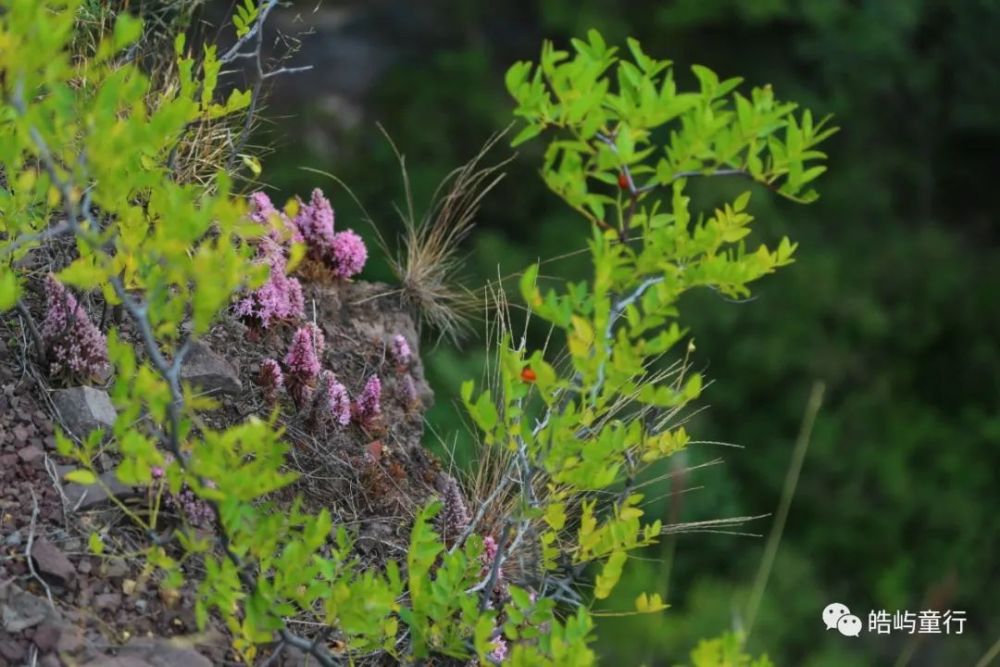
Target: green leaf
{"points": [[10, 290], [81, 476], [526, 134], [127, 30], [252, 163], [95, 544]]}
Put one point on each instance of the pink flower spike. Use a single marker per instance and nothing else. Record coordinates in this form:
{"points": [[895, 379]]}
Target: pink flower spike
{"points": [[455, 516], [303, 362], [408, 392], [271, 380], [74, 346], [303, 357], [315, 223], [332, 405], [348, 254], [368, 407], [399, 351], [499, 652], [261, 208]]}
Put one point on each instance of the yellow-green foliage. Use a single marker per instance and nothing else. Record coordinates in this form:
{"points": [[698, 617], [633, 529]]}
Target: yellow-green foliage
{"points": [[85, 154], [623, 145]]}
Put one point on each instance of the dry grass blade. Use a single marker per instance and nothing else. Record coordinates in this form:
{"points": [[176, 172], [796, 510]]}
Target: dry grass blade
{"points": [[427, 259]]}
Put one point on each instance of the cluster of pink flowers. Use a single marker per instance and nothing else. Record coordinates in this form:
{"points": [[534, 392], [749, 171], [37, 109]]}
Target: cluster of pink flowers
{"points": [[262, 210], [317, 392], [280, 298], [332, 405], [343, 253], [499, 652], [74, 345], [367, 410], [303, 363], [196, 511], [348, 254]]}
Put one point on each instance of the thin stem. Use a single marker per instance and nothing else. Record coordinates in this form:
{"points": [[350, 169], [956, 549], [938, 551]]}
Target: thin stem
{"points": [[991, 654], [36, 335], [791, 481]]}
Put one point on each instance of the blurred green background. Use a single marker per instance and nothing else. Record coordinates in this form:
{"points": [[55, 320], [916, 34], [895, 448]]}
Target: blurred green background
{"points": [[894, 301]]}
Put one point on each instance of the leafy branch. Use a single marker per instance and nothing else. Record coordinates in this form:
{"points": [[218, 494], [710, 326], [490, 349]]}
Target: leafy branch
{"points": [[168, 370]]}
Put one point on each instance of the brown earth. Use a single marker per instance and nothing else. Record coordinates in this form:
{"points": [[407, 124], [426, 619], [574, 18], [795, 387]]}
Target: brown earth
{"points": [[107, 610]]}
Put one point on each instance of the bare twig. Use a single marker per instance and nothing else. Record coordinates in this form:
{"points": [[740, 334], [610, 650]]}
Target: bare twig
{"points": [[32, 327], [256, 33], [491, 580], [28, 546], [55, 231]]}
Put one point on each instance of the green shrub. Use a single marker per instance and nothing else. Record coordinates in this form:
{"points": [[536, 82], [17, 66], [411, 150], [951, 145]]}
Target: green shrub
{"points": [[88, 148]]}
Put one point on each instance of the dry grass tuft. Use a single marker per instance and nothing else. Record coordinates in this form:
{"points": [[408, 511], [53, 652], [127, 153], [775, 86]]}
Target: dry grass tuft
{"points": [[427, 260], [206, 147]]}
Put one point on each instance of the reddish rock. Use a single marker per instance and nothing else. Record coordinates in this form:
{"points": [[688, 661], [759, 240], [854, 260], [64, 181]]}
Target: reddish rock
{"points": [[108, 601], [12, 650], [71, 640], [152, 653], [210, 372], [47, 636], [30, 453], [20, 610], [51, 561], [21, 434]]}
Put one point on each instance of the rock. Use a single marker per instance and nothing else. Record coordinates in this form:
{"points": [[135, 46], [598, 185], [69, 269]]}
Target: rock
{"points": [[108, 601], [161, 653], [71, 640], [85, 498], [117, 661], [30, 453], [84, 409], [12, 650], [116, 569], [21, 434], [210, 372], [46, 636], [14, 539], [20, 610], [51, 561]]}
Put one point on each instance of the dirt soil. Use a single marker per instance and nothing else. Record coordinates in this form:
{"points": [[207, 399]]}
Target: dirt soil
{"points": [[63, 605]]}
